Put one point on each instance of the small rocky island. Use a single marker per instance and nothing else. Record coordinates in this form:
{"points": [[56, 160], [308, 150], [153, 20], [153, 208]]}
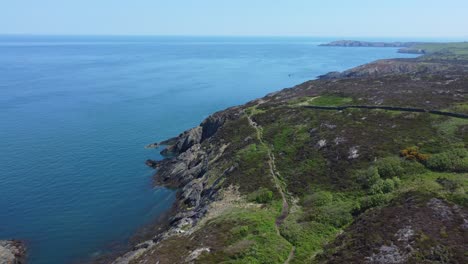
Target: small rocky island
{"points": [[369, 165]]}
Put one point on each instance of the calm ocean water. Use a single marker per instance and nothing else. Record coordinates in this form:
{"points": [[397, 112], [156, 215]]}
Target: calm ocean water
{"points": [[76, 113]]}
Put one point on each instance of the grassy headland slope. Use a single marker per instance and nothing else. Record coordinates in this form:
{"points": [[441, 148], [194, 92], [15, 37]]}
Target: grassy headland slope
{"points": [[454, 49], [289, 179]]}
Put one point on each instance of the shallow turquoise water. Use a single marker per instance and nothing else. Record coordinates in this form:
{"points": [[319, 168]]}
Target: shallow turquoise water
{"points": [[76, 113]]}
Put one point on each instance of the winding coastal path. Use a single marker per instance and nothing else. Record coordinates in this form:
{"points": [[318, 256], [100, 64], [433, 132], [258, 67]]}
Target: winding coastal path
{"points": [[280, 185], [278, 182]]}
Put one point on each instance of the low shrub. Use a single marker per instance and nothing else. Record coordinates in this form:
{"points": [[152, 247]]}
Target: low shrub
{"points": [[412, 167], [319, 198], [384, 186], [449, 184], [396, 182], [462, 165], [240, 231], [452, 160], [368, 177], [413, 153], [440, 162], [373, 201], [336, 214], [263, 196], [389, 167]]}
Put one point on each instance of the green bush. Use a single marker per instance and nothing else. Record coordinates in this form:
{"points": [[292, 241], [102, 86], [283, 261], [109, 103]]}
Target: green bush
{"points": [[440, 162], [368, 177], [373, 201], [462, 165], [388, 186], [240, 231], [319, 198], [390, 167], [397, 182], [377, 187], [413, 167], [263, 196], [459, 198], [337, 214], [452, 160], [384, 186]]}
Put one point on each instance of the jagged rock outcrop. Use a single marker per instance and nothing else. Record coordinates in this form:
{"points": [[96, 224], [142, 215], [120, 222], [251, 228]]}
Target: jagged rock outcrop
{"points": [[12, 252], [189, 157], [193, 136]]}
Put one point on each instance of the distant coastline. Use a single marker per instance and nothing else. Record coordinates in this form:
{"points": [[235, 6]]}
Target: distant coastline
{"points": [[405, 47]]}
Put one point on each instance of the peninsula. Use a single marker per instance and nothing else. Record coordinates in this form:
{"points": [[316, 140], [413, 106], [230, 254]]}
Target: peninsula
{"points": [[369, 165]]}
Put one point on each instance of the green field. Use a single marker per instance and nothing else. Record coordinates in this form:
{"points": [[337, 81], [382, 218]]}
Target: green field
{"points": [[455, 48]]}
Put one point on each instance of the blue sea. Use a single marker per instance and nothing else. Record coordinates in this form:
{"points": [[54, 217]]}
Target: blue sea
{"points": [[76, 113]]}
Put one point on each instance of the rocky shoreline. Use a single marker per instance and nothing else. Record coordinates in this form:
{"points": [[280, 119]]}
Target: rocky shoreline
{"points": [[12, 252], [198, 160], [188, 163]]}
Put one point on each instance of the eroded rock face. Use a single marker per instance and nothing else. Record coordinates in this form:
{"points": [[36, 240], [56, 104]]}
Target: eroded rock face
{"points": [[185, 141], [195, 135], [12, 252], [189, 158]]}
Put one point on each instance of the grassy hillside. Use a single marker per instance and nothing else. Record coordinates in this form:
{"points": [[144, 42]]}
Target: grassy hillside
{"points": [[457, 48]]}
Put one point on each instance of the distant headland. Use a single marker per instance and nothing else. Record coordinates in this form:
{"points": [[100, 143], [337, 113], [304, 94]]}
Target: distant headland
{"points": [[405, 47]]}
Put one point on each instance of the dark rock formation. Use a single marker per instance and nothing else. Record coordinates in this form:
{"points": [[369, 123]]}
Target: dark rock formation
{"points": [[152, 145]]}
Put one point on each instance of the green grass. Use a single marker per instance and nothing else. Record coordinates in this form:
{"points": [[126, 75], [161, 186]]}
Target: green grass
{"points": [[330, 100], [449, 126], [253, 110], [252, 237], [460, 108], [428, 183], [307, 237], [329, 196], [455, 48], [316, 220], [252, 171]]}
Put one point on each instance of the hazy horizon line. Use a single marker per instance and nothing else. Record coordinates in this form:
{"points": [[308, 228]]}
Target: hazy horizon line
{"points": [[349, 37]]}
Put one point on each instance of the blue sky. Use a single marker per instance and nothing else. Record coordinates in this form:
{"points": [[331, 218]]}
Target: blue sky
{"points": [[358, 18]]}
